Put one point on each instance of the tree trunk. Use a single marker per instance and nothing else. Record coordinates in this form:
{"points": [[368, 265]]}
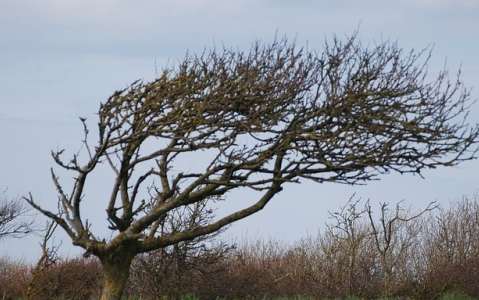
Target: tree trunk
{"points": [[116, 270]]}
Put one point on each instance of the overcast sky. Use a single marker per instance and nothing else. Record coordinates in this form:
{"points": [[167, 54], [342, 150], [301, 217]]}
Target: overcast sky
{"points": [[60, 58]]}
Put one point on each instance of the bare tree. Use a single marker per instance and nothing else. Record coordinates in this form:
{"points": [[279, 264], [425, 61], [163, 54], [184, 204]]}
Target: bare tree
{"points": [[454, 235], [14, 221], [394, 236], [346, 239], [275, 115]]}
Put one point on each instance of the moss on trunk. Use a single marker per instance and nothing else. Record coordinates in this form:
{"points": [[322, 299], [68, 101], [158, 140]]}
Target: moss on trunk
{"points": [[116, 270]]}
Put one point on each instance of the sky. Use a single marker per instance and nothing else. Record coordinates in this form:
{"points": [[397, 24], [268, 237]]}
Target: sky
{"points": [[59, 59]]}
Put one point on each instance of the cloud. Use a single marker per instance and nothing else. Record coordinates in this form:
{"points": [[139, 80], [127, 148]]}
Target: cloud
{"points": [[50, 40]]}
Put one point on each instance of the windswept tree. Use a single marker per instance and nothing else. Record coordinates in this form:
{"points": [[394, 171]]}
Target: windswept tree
{"points": [[276, 115]]}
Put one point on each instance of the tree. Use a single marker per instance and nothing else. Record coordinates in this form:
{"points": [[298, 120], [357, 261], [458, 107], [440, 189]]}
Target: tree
{"points": [[276, 115], [394, 236], [12, 221], [345, 241]]}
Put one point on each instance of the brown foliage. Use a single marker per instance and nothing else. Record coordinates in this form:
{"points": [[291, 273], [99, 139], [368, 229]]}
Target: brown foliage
{"points": [[13, 279], [175, 271], [350, 258], [75, 279], [459, 277], [342, 260]]}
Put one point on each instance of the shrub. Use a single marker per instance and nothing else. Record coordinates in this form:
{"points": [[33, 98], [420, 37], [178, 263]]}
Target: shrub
{"points": [[13, 278], [74, 279]]}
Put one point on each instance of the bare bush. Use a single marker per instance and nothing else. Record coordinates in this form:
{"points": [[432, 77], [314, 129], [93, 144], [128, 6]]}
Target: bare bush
{"points": [[181, 268], [362, 252], [454, 236], [345, 249], [48, 258], [13, 278], [451, 248], [172, 272], [395, 234], [75, 279]]}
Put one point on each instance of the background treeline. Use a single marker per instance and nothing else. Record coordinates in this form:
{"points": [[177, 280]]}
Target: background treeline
{"points": [[365, 251]]}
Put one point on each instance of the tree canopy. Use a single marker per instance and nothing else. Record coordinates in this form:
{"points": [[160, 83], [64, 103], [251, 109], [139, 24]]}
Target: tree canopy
{"points": [[277, 114]]}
